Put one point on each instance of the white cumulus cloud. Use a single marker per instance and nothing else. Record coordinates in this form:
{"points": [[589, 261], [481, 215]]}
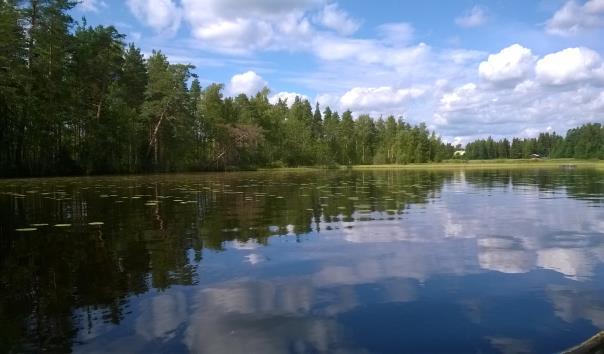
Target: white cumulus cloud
{"points": [[248, 83], [509, 65], [570, 65], [459, 98], [288, 97]]}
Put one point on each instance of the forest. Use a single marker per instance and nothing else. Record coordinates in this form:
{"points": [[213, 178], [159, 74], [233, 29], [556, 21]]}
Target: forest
{"points": [[77, 99], [584, 142]]}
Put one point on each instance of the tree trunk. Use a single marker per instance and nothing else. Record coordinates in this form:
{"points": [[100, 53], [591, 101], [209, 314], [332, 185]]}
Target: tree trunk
{"points": [[153, 139], [98, 109]]}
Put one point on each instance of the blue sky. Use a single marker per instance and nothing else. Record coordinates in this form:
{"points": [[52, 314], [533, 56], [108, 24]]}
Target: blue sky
{"points": [[466, 68]]}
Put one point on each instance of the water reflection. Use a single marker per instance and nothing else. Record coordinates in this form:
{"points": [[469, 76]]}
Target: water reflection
{"points": [[373, 261]]}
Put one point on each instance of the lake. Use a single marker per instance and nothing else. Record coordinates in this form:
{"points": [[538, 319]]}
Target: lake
{"points": [[376, 261]]}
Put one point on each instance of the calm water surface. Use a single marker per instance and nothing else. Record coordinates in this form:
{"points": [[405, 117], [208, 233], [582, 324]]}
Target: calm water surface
{"points": [[303, 262]]}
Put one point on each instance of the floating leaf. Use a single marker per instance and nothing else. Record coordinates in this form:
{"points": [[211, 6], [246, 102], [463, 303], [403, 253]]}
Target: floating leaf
{"points": [[26, 229], [96, 223], [62, 225], [235, 229]]}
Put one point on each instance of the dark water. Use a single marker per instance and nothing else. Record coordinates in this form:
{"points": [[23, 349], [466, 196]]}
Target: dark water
{"points": [[374, 261]]}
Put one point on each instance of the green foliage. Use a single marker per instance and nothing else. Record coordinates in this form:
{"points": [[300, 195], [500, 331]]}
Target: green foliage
{"points": [[585, 142]]}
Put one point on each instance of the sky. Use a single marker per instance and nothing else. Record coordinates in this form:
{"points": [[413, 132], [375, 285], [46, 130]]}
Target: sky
{"points": [[468, 69]]}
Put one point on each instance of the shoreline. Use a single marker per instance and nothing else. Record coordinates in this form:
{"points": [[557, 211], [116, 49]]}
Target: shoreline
{"points": [[447, 164], [461, 164]]}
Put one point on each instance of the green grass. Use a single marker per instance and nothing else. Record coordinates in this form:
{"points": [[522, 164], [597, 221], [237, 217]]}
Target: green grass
{"points": [[500, 163], [464, 164]]}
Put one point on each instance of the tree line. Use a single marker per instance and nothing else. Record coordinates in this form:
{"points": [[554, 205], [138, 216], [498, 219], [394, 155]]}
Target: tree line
{"points": [[584, 142], [76, 99]]}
